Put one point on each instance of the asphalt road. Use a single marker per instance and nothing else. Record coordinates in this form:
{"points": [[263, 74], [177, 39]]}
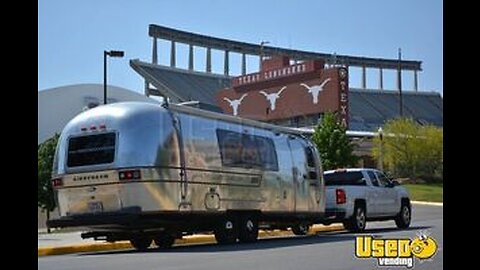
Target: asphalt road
{"points": [[322, 251]]}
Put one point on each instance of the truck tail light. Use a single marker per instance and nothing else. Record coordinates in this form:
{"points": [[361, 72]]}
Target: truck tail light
{"points": [[129, 175], [57, 182], [341, 196]]}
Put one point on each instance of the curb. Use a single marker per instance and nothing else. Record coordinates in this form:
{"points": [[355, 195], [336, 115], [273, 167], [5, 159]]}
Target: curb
{"points": [[428, 203], [193, 239]]}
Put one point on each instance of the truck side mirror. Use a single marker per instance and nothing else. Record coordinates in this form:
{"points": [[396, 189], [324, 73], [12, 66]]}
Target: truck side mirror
{"points": [[393, 183]]}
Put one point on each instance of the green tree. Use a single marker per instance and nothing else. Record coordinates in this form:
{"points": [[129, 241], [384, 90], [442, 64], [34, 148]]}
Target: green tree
{"points": [[336, 149], [46, 152], [410, 149]]}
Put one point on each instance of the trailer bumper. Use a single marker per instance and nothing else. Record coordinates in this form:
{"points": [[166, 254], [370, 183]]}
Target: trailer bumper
{"points": [[94, 220]]}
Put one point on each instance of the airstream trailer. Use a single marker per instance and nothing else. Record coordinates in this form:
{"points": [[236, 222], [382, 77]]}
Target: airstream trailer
{"points": [[142, 172]]}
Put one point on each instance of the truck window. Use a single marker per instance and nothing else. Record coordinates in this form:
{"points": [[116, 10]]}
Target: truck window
{"points": [[344, 178], [373, 178], [383, 180]]}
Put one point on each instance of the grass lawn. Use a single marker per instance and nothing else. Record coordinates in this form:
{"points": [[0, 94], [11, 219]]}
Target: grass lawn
{"points": [[425, 192]]}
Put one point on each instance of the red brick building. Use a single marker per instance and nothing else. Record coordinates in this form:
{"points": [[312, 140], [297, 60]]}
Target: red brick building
{"points": [[284, 93]]}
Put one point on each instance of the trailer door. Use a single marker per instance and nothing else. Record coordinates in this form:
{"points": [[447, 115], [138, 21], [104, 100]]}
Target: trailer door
{"points": [[313, 176], [300, 174]]}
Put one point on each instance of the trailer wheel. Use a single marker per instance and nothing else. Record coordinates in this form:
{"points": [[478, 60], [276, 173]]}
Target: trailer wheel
{"points": [[248, 229], [226, 231], [141, 243], [164, 240], [300, 229]]}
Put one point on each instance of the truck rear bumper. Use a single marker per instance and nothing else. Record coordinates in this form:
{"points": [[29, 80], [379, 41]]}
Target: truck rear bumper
{"points": [[334, 215]]}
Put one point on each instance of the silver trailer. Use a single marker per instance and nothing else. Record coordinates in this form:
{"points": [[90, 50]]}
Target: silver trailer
{"points": [[142, 172]]}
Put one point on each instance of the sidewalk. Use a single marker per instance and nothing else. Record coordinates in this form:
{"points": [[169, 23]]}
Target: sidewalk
{"points": [[59, 239]]}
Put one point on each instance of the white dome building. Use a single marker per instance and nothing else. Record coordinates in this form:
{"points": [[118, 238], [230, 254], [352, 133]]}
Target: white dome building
{"points": [[57, 106]]}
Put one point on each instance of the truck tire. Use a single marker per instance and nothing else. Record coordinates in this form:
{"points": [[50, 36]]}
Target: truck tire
{"points": [[404, 217], [164, 240], [300, 229], [141, 243], [226, 231], [248, 229], [358, 221]]}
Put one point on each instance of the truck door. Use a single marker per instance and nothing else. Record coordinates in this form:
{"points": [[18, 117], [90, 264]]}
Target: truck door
{"points": [[390, 203], [300, 174], [374, 193]]}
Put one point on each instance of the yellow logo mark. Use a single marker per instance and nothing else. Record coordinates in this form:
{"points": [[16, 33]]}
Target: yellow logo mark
{"points": [[395, 252], [423, 247], [367, 247]]}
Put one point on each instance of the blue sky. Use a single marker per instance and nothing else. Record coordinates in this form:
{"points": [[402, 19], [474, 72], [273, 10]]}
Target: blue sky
{"points": [[73, 34]]}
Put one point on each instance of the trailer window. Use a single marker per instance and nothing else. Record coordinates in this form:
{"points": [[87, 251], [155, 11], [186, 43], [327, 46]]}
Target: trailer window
{"points": [[310, 158], [268, 155], [244, 150], [250, 156], [91, 150]]}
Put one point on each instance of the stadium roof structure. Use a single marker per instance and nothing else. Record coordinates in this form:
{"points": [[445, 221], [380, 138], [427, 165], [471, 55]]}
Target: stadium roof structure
{"points": [[369, 109], [194, 39], [182, 85]]}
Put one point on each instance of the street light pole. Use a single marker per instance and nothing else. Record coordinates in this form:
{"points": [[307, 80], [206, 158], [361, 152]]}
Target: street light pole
{"points": [[105, 77], [400, 81], [105, 54], [261, 53], [380, 156]]}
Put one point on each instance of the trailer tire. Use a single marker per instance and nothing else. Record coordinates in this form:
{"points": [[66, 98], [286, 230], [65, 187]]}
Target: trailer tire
{"points": [[226, 231], [248, 229], [164, 240], [300, 229], [141, 243]]}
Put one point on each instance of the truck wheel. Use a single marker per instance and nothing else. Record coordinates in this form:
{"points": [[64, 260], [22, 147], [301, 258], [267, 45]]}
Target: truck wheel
{"points": [[402, 220], [300, 229], [141, 242], [226, 231], [164, 240], [358, 221], [248, 229]]}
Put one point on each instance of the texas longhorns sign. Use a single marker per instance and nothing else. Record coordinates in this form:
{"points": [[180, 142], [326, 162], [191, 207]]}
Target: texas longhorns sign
{"points": [[295, 95]]}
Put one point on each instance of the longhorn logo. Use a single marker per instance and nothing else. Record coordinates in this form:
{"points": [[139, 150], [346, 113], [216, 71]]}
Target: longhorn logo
{"points": [[315, 89], [272, 97], [235, 103]]}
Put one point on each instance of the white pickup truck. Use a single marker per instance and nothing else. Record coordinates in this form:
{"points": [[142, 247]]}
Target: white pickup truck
{"points": [[355, 196]]}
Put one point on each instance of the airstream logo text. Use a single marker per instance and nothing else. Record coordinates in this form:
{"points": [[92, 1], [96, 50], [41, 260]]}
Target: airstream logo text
{"points": [[90, 177]]}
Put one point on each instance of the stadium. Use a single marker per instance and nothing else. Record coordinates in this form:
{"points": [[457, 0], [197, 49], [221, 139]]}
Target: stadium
{"points": [[290, 88], [312, 84]]}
